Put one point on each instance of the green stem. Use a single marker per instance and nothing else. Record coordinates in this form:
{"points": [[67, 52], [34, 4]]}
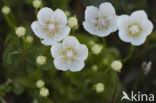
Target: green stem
{"points": [[9, 22], [36, 11], [129, 55]]}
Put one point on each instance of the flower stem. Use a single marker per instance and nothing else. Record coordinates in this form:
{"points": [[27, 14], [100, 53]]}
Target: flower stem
{"points": [[9, 22], [36, 11], [129, 55]]}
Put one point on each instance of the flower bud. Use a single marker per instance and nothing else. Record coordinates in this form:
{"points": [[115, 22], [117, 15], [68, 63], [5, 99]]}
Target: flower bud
{"points": [[44, 92], [6, 10], [29, 39], [99, 87], [94, 67], [20, 31], [116, 65], [40, 83], [37, 3], [96, 49], [40, 60], [72, 22]]}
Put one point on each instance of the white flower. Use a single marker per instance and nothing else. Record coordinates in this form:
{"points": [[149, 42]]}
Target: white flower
{"points": [[41, 60], [6, 10], [99, 87], [37, 3], [96, 49], [100, 21], [69, 55], [51, 26], [116, 65], [29, 39], [40, 83], [72, 22], [20, 31], [134, 28], [44, 92]]}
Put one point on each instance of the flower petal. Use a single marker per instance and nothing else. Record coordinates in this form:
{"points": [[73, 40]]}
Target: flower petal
{"points": [[76, 65], [147, 27], [123, 21], [106, 9], [57, 50], [48, 41], [38, 29], [90, 27], [70, 42], [81, 52], [45, 15], [61, 64], [139, 15], [62, 33], [138, 40], [60, 17], [91, 12]]}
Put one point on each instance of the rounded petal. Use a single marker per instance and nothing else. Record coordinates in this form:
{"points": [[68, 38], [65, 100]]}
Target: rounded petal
{"points": [[106, 9], [61, 64], [81, 52], [138, 40], [60, 17], [123, 21], [139, 15], [45, 15], [76, 65], [147, 27], [57, 50], [70, 42], [91, 12], [62, 33], [123, 35], [90, 27], [48, 41], [38, 29]]}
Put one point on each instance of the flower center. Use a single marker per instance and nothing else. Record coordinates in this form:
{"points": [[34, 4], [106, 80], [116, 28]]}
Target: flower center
{"points": [[134, 30], [51, 27], [102, 23], [69, 54]]}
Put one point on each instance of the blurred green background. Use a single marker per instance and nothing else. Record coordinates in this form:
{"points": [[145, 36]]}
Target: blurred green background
{"points": [[19, 71]]}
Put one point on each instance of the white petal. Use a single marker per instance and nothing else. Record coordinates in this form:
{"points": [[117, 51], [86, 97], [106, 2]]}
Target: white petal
{"points": [[45, 15], [81, 52], [91, 12], [90, 27], [48, 41], [70, 42], [61, 64], [62, 33], [57, 50], [147, 27], [38, 29], [123, 35], [138, 40], [123, 21], [139, 15], [60, 17], [106, 9], [76, 65]]}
